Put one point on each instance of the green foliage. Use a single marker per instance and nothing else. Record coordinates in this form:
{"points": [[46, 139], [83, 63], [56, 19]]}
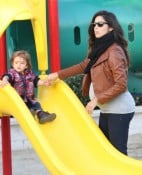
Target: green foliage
{"points": [[138, 100], [75, 83]]}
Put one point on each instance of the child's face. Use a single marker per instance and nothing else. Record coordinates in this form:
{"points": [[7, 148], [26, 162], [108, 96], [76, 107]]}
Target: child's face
{"points": [[19, 64]]}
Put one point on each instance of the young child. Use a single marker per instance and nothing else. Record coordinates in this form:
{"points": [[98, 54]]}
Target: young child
{"points": [[21, 77]]}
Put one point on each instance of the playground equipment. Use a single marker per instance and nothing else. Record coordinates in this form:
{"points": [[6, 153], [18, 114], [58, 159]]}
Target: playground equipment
{"points": [[73, 143], [73, 34]]}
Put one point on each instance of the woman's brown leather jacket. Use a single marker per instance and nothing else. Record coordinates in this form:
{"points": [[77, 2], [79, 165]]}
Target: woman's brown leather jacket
{"points": [[108, 75]]}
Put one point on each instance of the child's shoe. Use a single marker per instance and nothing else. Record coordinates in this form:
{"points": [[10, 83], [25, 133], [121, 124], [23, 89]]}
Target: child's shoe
{"points": [[44, 117]]}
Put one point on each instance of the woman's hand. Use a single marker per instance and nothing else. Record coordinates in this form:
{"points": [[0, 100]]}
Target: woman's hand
{"points": [[52, 77], [91, 105], [43, 83], [49, 80]]}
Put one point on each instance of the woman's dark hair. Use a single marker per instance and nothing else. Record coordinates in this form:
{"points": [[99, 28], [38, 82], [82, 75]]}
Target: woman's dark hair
{"points": [[112, 21], [25, 55]]}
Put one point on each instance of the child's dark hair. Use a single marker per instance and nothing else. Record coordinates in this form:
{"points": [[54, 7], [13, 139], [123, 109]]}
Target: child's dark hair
{"points": [[25, 55]]}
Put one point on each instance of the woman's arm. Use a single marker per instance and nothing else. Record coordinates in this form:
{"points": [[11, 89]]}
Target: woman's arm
{"points": [[68, 72]]}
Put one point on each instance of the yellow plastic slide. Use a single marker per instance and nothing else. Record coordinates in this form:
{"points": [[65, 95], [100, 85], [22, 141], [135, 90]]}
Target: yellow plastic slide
{"points": [[72, 144]]}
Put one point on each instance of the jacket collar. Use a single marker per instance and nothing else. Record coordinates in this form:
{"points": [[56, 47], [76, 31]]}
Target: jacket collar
{"points": [[104, 56]]}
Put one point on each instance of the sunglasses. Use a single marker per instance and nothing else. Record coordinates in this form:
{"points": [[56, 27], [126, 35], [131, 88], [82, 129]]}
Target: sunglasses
{"points": [[99, 24]]}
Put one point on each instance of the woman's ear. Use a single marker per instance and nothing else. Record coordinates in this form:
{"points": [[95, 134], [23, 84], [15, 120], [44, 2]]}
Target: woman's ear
{"points": [[110, 29]]}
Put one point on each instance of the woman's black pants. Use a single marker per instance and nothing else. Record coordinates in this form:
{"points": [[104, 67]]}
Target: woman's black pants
{"points": [[116, 128]]}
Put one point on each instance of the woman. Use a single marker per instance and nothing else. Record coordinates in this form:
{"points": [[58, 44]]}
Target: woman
{"points": [[106, 74]]}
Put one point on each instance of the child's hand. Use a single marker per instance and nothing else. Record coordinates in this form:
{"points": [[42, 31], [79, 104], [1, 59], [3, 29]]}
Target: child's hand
{"points": [[43, 83], [52, 77], [46, 82], [3, 83], [49, 80]]}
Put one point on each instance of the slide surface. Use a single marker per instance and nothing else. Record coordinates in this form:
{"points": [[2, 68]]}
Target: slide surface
{"points": [[72, 144]]}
